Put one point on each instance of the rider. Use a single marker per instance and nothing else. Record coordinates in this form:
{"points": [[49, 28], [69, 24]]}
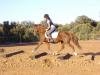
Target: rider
{"points": [[50, 27]]}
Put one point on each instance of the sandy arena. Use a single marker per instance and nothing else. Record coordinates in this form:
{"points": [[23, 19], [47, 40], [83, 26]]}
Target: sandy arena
{"points": [[22, 64]]}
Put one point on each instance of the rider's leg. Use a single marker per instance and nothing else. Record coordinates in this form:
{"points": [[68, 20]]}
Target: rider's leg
{"points": [[51, 39], [50, 32], [48, 35]]}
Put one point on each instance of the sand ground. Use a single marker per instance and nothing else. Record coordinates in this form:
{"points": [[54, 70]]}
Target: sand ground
{"points": [[22, 64]]}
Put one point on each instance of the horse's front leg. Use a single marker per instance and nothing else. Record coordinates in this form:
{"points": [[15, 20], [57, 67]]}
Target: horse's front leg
{"points": [[62, 47], [39, 44], [48, 45]]}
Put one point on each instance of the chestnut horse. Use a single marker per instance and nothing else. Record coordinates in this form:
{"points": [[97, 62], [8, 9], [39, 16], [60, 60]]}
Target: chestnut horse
{"points": [[63, 38]]}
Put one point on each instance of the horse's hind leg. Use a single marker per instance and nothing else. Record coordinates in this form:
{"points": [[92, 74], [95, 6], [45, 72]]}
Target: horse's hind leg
{"points": [[48, 45]]}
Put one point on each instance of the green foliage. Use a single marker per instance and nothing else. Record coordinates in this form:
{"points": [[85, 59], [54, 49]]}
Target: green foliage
{"points": [[85, 28], [64, 28], [97, 29], [83, 19], [24, 32], [21, 32], [1, 29]]}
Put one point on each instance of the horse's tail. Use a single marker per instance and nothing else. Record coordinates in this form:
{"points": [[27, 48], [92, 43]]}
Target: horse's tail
{"points": [[75, 40]]}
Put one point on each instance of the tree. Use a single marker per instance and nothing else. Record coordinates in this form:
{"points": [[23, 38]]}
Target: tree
{"points": [[1, 29], [83, 19], [27, 23], [19, 31], [6, 28]]}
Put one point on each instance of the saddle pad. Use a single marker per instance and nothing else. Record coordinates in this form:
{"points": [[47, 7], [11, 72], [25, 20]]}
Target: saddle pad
{"points": [[54, 35]]}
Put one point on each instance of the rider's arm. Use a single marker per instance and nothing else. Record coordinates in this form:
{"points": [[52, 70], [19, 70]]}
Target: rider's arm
{"points": [[49, 25]]}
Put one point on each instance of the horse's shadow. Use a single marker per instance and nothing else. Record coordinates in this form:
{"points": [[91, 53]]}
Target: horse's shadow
{"points": [[92, 54]]}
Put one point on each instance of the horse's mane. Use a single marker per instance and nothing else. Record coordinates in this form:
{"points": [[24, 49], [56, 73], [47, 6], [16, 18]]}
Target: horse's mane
{"points": [[39, 25], [40, 28]]}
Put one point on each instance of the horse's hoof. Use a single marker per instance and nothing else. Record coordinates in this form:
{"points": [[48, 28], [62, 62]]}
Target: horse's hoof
{"points": [[49, 53], [33, 51], [32, 57], [56, 54], [75, 53]]}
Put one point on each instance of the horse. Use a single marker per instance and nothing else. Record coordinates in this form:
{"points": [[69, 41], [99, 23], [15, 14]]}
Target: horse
{"points": [[63, 37]]}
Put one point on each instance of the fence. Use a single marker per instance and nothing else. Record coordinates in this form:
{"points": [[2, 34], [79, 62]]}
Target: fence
{"points": [[12, 39], [17, 39], [6, 39]]}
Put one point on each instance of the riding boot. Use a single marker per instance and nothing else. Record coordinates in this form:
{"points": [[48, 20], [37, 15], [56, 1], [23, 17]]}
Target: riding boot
{"points": [[50, 40]]}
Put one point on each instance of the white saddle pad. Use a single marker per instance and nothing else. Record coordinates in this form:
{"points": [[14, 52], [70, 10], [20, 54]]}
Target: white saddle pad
{"points": [[54, 35]]}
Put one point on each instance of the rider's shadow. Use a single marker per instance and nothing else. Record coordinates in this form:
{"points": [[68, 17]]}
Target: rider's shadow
{"points": [[92, 54]]}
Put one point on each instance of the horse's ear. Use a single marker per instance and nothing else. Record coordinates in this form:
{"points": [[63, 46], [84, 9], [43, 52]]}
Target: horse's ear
{"points": [[35, 25], [39, 24]]}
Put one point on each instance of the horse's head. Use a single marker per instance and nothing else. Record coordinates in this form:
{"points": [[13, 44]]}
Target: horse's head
{"points": [[38, 28]]}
